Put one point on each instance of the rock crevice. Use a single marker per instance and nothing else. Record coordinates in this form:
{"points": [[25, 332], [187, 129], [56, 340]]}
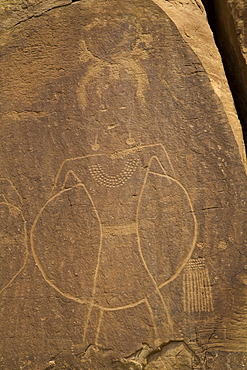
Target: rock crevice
{"points": [[227, 25]]}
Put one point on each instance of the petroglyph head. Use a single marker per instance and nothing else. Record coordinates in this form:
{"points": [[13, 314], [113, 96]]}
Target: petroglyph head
{"points": [[111, 97]]}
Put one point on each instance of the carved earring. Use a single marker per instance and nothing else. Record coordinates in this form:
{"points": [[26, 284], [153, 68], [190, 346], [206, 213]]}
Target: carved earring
{"points": [[130, 140], [95, 146]]}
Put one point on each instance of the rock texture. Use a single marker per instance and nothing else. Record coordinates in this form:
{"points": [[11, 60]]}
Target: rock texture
{"points": [[191, 19], [123, 191], [228, 20], [239, 14]]}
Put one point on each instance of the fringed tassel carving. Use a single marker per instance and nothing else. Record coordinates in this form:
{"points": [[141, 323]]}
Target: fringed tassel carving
{"points": [[196, 287]]}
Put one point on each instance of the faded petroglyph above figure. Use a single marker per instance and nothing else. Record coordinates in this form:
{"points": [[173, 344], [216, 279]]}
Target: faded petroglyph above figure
{"points": [[103, 214], [13, 235]]}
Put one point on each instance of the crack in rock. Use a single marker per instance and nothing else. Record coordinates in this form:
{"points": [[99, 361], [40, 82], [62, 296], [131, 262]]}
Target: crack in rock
{"points": [[12, 16], [172, 355]]}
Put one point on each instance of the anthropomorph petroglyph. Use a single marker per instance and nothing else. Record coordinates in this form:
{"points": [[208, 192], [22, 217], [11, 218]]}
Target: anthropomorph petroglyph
{"points": [[93, 238]]}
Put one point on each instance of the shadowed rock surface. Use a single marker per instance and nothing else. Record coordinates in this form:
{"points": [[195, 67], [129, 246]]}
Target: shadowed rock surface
{"points": [[228, 20]]}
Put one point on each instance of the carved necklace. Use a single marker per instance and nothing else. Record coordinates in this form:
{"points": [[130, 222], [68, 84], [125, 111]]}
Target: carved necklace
{"points": [[112, 181]]}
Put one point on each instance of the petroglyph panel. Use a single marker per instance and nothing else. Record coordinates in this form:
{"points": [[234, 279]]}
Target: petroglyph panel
{"points": [[117, 220], [123, 172]]}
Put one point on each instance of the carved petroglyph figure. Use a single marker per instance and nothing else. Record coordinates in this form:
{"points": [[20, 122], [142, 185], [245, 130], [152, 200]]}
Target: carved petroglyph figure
{"points": [[196, 287], [119, 225], [13, 234]]}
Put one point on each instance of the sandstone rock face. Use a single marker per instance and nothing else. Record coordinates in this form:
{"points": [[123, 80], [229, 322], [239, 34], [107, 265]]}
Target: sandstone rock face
{"points": [[238, 12], [229, 21], [191, 19], [123, 194]]}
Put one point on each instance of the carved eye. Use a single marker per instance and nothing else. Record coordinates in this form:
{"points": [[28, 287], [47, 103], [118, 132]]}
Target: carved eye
{"points": [[130, 141], [103, 108], [111, 126]]}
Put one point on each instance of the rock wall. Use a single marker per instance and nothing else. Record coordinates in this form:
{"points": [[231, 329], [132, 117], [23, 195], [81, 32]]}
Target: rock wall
{"points": [[191, 19], [123, 190], [228, 20]]}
